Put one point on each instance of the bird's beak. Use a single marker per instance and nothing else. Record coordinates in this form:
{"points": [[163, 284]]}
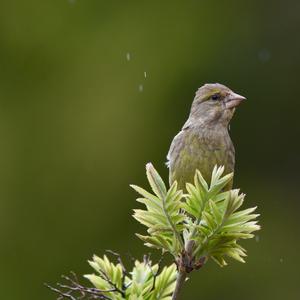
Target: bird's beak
{"points": [[233, 100]]}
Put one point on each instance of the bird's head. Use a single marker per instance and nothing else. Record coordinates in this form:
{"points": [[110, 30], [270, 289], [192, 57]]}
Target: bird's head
{"points": [[214, 103]]}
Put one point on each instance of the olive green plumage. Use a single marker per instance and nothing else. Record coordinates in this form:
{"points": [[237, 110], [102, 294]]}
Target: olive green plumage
{"points": [[204, 140]]}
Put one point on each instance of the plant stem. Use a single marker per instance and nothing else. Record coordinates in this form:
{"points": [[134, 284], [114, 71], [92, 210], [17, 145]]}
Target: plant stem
{"points": [[179, 283], [182, 270]]}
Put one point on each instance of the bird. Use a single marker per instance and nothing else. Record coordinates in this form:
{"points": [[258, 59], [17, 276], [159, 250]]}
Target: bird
{"points": [[204, 139]]}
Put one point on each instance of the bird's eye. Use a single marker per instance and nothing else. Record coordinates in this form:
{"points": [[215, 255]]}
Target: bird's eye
{"points": [[215, 97]]}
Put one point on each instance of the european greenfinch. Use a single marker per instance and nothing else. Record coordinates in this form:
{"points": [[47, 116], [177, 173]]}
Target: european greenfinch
{"points": [[204, 140]]}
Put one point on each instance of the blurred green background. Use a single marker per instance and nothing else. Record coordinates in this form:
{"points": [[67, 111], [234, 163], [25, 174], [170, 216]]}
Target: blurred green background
{"points": [[79, 119]]}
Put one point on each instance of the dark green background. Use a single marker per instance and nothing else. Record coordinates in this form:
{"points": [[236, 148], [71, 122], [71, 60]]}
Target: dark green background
{"points": [[75, 131]]}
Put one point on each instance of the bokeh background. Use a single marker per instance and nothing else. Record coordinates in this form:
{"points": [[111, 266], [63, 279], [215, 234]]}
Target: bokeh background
{"points": [[92, 90]]}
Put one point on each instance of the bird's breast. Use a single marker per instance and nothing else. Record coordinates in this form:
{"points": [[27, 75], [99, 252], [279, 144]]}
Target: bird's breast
{"points": [[202, 149]]}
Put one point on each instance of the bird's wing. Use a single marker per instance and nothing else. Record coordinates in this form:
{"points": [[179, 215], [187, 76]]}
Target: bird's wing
{"points": [[172, 147], [177, 137]]}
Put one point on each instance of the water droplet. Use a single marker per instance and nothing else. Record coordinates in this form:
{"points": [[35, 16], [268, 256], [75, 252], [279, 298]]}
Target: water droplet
{"points": [[281, 260], [264, 55], [128, 56], [145, 74], [141, 88]]}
